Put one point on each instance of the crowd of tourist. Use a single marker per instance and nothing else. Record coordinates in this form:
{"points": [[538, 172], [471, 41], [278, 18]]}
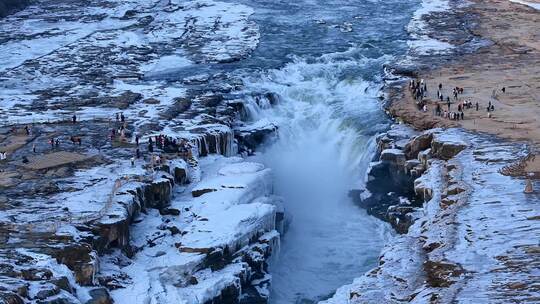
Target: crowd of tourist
{"points": [[444, 106], [119, 133]]}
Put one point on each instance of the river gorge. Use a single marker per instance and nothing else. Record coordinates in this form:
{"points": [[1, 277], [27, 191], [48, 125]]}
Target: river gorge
{"points": [[253, 152]]}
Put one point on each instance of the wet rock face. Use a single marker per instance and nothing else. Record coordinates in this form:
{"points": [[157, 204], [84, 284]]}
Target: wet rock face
{"points": [[158, 194], [395, 192], [10, 6], [249, 138], [388, 186], [390, 180]]}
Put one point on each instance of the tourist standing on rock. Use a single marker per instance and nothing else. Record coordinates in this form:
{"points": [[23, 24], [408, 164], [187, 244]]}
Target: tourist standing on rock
{"points": [[117, 117], [34, 148], [74, 118], [57, 143], [150, 147], [132, 162], [503, 90], [137, 153], [122, 117], [137, 140], [51, 142], [477, 106]]}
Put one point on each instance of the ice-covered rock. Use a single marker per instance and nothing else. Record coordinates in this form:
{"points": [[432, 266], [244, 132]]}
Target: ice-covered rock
{"points": [[393, 156], [447, 145], [225, 238], [253, 135], [458, 248]]}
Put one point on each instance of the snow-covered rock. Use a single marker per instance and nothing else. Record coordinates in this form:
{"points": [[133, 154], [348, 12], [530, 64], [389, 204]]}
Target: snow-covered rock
{"points": [[471, 241]]}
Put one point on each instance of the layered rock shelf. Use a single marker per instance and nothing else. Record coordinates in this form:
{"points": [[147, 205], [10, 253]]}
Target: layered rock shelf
{"points": [[473, 237]]}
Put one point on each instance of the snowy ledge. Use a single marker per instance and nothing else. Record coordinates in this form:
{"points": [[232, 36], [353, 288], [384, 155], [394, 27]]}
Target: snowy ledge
{"points": [[457, 247]]}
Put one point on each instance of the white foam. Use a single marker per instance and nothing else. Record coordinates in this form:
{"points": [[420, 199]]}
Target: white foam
{"points": [[316, 159]]}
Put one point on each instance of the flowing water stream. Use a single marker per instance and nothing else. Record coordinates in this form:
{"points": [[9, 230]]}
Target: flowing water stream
{"points": [[321, 153], [328, 79]]}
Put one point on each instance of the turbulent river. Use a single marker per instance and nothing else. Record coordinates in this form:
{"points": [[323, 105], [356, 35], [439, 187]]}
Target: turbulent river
{"points": [[328, 80], [325, 61]]}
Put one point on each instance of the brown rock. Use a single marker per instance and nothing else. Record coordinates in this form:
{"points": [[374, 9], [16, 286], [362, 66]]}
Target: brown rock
{"points": [[445, 148], [10, 298], [417, 144], [441, 274]]}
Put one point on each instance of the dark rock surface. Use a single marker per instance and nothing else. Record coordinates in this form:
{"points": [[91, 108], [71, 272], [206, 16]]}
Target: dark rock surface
{"points": [[10, 6]]}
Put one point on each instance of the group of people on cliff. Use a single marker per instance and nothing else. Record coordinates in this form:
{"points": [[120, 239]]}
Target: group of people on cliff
{"points": [[419, 89], [164, 143]]}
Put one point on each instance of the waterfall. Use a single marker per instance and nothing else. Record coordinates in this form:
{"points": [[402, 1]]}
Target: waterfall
{"points": [[327, 118]]}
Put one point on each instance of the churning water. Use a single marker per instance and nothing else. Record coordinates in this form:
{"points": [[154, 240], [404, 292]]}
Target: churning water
{"points": [[326, 125], [328, 80]]}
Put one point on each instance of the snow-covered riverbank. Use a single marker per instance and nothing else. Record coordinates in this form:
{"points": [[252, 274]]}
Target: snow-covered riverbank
{"points": [[463, 244]]}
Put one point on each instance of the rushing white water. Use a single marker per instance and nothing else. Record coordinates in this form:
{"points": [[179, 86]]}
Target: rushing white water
{"points": [[321, 154]]}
